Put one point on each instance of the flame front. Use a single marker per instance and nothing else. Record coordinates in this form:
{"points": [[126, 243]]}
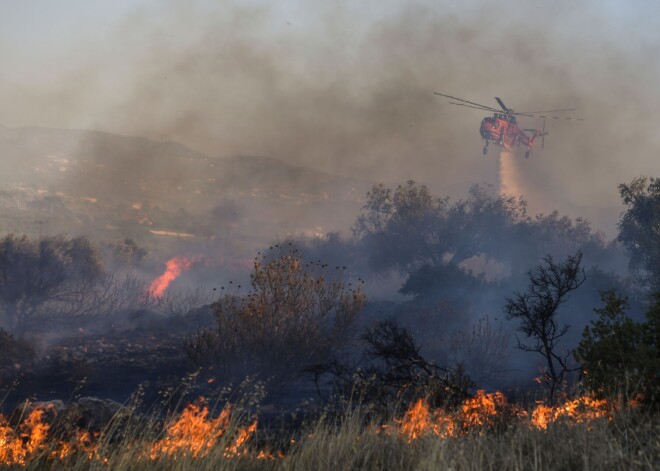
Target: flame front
{"points": [[194, 433], [484, 410], [580, 410], [175, 266]]}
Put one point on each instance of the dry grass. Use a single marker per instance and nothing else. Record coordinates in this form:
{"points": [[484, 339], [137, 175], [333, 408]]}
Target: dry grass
{"points": [[630, 440]]}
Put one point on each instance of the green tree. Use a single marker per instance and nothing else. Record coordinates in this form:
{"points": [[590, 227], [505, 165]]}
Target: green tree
{"points": [[537, 311], [639, 229], [619, 355], [35, 271]]}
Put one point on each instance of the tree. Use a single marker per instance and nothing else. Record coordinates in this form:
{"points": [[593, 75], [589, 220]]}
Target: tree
{"points": [[402, 228], [35, 271], [639, 229], [431, 242], [619, 355], [294, 315], [537, 311]]}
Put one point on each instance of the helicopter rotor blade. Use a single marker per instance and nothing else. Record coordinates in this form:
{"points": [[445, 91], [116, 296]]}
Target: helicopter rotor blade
{"points": [[547, 111], [528, 115], [464, 101], [504, 107], [482, 108]]}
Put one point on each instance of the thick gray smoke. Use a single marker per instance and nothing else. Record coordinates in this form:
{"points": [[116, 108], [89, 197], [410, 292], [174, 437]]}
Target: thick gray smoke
{"points": [[348, 89]]}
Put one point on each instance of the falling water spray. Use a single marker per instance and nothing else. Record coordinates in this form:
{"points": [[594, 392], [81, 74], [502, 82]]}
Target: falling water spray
{"points": [[510, 182]]}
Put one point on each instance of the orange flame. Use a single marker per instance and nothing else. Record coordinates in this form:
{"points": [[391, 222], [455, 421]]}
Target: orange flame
{"points": [[175, 266], [195, 434], [583, 409], [483, 410], [419, 421], [17, 446]]}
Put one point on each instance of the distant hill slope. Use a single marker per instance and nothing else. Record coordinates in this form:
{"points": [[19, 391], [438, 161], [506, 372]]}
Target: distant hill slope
{"points": [[77, 181]]}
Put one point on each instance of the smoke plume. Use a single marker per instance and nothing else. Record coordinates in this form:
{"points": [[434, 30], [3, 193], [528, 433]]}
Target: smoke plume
{"points": [[347, 88]]}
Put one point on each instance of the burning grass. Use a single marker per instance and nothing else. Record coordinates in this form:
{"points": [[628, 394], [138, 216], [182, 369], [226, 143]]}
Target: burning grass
{"points": [[486, 431]]}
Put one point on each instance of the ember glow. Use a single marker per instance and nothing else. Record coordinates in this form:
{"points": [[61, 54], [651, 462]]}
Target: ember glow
{"points": [[175, 266]]}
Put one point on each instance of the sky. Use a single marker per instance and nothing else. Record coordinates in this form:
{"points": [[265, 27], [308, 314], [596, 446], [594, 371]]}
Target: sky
{"points": [[347, 87]]}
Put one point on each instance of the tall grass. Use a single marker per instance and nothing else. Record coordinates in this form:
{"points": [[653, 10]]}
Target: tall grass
{"points": [[628, 440]]}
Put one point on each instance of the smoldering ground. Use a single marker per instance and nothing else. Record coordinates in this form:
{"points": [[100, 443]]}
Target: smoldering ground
{"points": [[348, 89]]}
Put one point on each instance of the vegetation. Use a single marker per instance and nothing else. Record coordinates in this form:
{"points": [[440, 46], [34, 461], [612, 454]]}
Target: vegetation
{"points": [[294, 316], [537, 311], [387, 398], [639, 229], [430, 241], [196, 438], [619, 355], [33, 272]]}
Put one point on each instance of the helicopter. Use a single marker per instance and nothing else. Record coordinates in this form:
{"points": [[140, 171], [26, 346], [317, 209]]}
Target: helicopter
{"points": [[502, 128]]}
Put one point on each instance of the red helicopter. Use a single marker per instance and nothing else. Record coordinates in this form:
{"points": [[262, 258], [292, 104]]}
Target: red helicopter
{"points": [[502, 128]]}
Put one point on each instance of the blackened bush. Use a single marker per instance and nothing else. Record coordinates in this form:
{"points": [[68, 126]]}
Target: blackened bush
{"points": [[292, 317]]}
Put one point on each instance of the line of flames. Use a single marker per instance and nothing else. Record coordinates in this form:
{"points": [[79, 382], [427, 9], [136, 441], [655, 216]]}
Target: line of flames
{"points": [[195, 433], [487, 410]]}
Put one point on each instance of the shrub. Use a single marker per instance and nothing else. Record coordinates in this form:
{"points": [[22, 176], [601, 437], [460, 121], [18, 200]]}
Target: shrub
{"points": [[292, 317], [619, 355]]}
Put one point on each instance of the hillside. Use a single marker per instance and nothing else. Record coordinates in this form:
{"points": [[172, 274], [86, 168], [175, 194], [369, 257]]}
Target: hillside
{"points": [[110, 186]]}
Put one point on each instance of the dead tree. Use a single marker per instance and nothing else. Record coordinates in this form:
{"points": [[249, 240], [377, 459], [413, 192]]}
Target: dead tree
{"points": [[537, 308]]}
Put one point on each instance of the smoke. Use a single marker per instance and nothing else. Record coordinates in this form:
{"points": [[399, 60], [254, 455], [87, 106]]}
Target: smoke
{"points": [[348, 89]]}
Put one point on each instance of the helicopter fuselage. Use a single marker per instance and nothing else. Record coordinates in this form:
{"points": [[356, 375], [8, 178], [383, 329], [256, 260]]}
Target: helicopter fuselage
{"points": [[503, 130]]}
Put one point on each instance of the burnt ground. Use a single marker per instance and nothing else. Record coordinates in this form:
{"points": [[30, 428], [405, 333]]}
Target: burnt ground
{"points": [[138, 356], [136, 352]]}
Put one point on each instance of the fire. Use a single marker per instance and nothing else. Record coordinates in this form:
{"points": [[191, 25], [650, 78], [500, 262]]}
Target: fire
{"points": [[175, 266], [483, 410], [193, 433], [17, 446], [583, 409], [196, 434]]}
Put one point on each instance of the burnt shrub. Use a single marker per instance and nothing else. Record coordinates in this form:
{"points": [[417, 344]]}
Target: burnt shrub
{"points": [[392, 372], [294, 315]]}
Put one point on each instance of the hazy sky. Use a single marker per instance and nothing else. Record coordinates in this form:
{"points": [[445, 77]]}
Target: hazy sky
{"points": [[346, 87]]}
